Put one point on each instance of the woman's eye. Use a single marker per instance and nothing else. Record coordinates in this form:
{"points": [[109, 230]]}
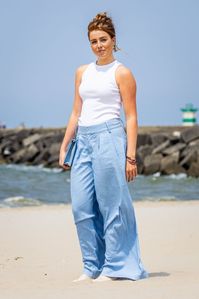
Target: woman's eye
{"points": [[103, 40]]}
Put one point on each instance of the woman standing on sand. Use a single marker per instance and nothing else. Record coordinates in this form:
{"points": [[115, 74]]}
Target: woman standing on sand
{"points": [[104, 161]]}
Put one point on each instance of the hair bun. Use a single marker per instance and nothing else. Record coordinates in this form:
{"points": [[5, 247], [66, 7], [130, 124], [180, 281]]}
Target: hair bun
{"points": [[101, 16]]}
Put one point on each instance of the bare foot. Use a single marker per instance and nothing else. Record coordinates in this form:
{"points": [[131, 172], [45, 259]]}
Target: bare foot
{"points": [[104, 278], [82, 277]]}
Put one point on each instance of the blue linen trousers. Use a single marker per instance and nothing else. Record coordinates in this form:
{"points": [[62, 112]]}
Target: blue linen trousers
{"points": [[101, 203]]}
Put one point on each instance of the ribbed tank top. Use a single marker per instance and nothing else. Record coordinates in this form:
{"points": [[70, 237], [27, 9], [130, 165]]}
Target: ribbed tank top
{"points": [[100, 94]]}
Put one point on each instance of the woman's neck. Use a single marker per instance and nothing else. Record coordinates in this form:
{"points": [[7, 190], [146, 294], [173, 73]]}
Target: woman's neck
{"points": [[105, 61]]}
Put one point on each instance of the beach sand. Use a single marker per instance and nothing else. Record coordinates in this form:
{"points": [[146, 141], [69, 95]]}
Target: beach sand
{"points": [[40, 254]]}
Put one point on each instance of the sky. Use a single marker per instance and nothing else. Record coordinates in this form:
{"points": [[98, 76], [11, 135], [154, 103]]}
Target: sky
{"points": [[43, 42]]}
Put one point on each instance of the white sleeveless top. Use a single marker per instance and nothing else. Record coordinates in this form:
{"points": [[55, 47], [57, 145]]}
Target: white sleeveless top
{"points": [[100, 94]]}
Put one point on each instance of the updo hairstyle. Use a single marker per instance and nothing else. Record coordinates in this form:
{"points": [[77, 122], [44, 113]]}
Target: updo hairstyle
{"points": [[102, 22]]}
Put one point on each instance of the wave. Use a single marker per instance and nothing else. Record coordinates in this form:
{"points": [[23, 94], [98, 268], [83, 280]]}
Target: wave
{"points": [[158, 198], [34, 168], [20, 201]]}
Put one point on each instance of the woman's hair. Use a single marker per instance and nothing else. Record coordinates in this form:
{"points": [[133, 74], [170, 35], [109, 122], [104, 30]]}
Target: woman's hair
{"points": [[102, 22]]}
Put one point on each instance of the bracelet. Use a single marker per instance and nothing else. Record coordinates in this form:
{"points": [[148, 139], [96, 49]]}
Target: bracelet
{"points": [[131, 160]]}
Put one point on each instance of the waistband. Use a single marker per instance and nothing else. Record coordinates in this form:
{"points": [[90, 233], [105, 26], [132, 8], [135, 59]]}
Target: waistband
{"points": [[106, 125]]}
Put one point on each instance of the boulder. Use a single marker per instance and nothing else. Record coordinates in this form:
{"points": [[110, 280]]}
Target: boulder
{"points": [[152, 163], [190, 157], [169, 165], [31, 153], [21, 135], [31, 139], [42, 157], [18, 157], [161, 147], [144, 150], [143, 139], [190, 134], [140, 164], [158, 139], [174, 139], [194, 169], [193, 145], [25, 154], [54, 149], [174, 148]]}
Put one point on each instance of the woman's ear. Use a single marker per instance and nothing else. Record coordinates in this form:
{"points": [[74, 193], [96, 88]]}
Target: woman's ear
{"points": [[114, 40]]}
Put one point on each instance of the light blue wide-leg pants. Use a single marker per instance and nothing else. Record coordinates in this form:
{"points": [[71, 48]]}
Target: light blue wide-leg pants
{"points": [[101, 203]]}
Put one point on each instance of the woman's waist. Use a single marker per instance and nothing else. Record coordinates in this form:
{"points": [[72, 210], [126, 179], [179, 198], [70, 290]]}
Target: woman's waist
{"points": [[99, 126]]}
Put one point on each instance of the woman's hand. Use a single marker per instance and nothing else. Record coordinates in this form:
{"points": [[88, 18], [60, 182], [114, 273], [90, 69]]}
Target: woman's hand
{"points": [[131, 171], [61, 158]]}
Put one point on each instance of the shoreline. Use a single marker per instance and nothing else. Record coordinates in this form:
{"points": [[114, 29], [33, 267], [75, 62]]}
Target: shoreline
{"points": [[136, 203]]}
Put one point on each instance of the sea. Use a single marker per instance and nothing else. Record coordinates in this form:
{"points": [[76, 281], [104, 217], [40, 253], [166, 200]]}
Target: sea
{"points": [[22, 185]]}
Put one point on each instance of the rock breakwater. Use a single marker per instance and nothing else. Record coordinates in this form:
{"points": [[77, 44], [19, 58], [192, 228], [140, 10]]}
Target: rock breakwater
{"points": [[167, 150]]}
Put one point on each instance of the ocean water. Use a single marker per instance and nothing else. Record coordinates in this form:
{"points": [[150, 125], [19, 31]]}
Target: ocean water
{"points": [[22, 185]]}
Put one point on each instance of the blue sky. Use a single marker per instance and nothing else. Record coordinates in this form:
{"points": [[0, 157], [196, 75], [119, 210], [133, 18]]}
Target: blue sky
{"points": [[44, 41]]}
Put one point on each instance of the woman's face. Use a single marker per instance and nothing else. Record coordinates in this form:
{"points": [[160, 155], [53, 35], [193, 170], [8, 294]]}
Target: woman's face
{"points": [[101, 43]]}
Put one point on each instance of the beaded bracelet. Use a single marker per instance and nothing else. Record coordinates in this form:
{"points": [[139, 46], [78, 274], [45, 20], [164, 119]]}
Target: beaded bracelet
{"points": [[131, 160]]}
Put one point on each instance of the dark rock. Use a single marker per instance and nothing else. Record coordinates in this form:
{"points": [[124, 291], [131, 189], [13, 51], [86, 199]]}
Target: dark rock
{"points": [[31, 153], [144, 151], [194, 169], [42, 158], [152, 163], [31, 139], [19, 156], [174, 148], [174, 139], [54, 164], [190, 134], [54, 149], [53, 159], [143, 139], [22, 134], [169, 165], [140, 165], [193, 145], [40, 144], [9, 147], [47, 141], [161, 147], [190, 157], [25, 154], [158, 139]]}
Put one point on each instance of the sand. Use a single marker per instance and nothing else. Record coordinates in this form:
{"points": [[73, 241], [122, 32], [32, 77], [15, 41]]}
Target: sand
{"points": [[40, 254]]}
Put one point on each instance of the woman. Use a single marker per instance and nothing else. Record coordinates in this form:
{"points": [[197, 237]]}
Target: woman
{"points": [[104, 161]]}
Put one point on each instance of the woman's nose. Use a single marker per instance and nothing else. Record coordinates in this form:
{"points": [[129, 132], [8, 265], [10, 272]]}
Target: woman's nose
{"points": [[99, 44]]}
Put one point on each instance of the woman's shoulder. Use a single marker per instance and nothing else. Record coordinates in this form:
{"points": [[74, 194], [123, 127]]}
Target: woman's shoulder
{"points": [[80, 69], [123, 70], [124, 73]]}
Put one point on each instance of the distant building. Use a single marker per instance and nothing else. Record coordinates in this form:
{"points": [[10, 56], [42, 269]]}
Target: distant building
{"points": [[189, 115], [2, 125]]}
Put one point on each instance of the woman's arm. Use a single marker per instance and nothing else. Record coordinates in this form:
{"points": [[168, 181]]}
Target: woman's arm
{"points": [[76, 110], [127, 86]]}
